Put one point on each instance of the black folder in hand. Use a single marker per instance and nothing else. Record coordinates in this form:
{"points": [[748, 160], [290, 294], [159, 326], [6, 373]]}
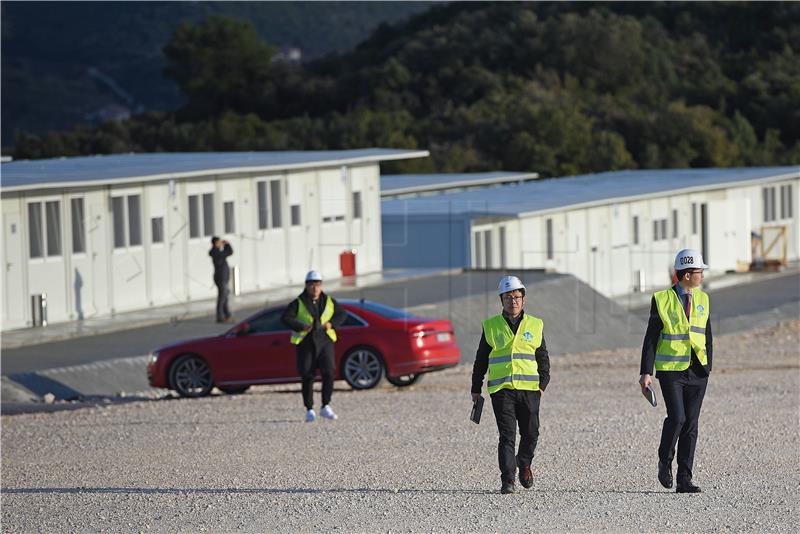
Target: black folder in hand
{"points": [[650, 394], [477, 408]]}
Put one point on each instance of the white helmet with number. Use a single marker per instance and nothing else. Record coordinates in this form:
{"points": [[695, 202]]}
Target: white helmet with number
{"points": [[509, 283], [313, 276], [689, 258]]}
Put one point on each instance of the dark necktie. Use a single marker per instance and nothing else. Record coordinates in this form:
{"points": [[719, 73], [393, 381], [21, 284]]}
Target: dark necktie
{"points": [[688, 307]]}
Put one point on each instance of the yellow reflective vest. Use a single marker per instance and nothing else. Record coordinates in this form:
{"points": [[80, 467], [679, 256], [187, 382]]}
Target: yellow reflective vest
{"points": [[512, 362], [679, 336], [305, 316]]}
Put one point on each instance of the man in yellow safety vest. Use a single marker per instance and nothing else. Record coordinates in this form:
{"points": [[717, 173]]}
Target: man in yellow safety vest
{"points": [[513, 350], [678, 342], [314, 316]]}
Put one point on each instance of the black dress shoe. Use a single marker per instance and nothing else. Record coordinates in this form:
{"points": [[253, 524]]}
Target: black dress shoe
{"points": [[508, 487], [665, 474], [525, 477], [687, 488]]}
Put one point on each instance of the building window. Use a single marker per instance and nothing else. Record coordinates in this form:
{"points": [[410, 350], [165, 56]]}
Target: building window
{"points": [[262, 205], [269, 199], [786, 201], [230, 223], [78, 226], [487, 236], [295, 213], [118, 214], [768, 198], [53, 217], [157, 228], [206, 215], [659, 229], [133, 218], [502, 240], [478, 250], [36, 235], [694, 218], [635, 229], [549, 226], [356, 204], [194, 216], [674, 223], [275, 204]]}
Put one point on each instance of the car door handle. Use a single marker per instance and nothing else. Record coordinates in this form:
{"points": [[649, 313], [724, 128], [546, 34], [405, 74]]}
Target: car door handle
{"points": [[276, 343]]}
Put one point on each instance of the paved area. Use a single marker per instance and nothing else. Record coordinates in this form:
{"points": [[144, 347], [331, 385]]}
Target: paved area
{"points": [[110, 367], [408, 460], [183, 312]]}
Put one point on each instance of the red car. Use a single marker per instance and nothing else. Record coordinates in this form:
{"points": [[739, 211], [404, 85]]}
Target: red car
{"points": [[374, 341]]}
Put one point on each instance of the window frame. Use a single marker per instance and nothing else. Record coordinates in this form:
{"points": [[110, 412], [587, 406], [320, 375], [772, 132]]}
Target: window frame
{"points": [[81, 230], [152, 230], [126, 222]]}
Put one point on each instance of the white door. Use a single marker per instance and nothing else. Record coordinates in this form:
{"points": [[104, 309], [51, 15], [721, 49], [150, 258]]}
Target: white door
{"points": [[729, 234], [15, 306]]}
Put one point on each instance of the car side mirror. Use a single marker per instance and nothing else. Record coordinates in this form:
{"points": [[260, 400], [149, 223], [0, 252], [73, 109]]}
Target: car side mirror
{"points": [[243, 329]]}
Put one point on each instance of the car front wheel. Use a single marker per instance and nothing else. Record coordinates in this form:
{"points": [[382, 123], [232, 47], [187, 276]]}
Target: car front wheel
{"points": [[363, 368], [190, 376], [404, 380]]}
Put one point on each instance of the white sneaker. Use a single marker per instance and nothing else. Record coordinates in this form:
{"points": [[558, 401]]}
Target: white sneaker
{"points": [[310, 416], [327, 413]]}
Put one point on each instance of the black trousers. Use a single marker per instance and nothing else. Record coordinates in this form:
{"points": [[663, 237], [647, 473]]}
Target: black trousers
{"points": [[683, 396], [222, 300], [512, 406], [309, 359]]}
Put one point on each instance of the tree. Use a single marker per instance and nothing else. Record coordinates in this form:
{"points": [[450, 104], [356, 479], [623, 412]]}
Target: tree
{"points": [[221, 65]]}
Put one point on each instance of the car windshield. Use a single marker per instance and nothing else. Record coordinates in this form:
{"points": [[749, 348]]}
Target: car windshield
{"points": [[384, 311]]}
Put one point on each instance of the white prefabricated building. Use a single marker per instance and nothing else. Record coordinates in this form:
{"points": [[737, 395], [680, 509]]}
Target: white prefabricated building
{"points": [[106, 234], [616, 231]]}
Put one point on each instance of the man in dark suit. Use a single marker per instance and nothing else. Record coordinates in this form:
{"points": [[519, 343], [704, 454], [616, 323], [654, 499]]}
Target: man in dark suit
{"points": [[220, 250], [678, 342]]}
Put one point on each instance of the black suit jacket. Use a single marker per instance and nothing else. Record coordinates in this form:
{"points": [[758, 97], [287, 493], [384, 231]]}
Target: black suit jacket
{"points": [[653, 335], [219, 258]]}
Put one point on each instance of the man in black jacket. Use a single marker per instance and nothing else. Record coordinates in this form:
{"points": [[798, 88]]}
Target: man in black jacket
{"points": [[513, 350], [220, 250], [314, 317], [679, 344]]}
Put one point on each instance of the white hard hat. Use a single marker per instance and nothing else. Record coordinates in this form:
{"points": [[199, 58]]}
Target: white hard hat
{"points": [[509, 283], [313, 276], [689, 258]]}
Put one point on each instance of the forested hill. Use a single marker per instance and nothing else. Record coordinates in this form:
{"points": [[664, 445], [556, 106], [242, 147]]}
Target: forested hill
{"points": [[49, 47], [556, 88]]}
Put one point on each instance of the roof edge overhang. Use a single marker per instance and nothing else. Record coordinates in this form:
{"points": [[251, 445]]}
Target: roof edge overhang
{"points": [[460, 183], [671, 192], [411, 154]]}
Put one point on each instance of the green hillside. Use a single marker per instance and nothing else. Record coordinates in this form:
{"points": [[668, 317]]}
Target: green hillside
{"points": [[557, 88], [48, 47]]}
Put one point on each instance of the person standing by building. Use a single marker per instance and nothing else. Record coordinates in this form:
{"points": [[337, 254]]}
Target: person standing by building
{"points": [[314, 317], [513, 350], [220, 250], [678, 342]]}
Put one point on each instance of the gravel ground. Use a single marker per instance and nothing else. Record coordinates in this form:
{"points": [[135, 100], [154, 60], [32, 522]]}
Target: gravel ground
{"points": [[409, 460]]}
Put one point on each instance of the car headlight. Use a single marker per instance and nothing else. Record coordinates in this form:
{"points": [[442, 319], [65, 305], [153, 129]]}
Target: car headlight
{"points": [[153, 356]]}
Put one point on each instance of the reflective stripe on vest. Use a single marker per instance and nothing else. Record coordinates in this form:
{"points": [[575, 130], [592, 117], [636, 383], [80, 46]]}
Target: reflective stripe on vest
{"points": [[303, 315], [512, 362], [679, 335]]}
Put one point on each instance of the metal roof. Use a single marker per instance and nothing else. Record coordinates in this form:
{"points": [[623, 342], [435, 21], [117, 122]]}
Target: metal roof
{"points": [[125, 168], [401, 184], [584, 190]]}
